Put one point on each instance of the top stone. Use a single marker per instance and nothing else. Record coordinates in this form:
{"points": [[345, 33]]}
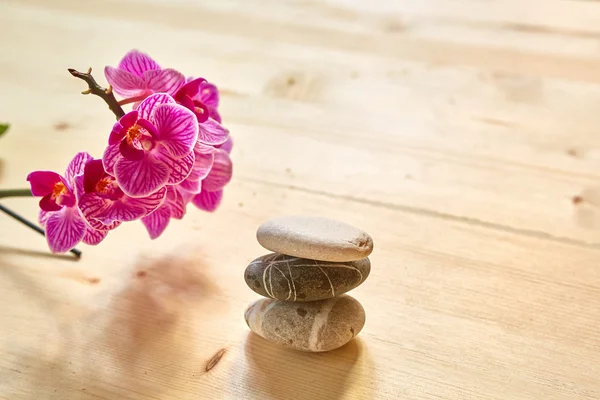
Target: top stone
{"points": [[315, 238]]}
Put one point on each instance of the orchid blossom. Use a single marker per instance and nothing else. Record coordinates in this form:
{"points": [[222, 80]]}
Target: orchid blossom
{"points": [[64, 223], [152, 147], [209, 96], [190, 95], [173, 207], [139, 76], [169, 151], [204, 157], [105, 205], [211, 192]]}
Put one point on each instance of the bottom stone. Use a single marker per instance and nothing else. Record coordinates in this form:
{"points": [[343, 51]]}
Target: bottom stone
{"points": [[314, 326]]}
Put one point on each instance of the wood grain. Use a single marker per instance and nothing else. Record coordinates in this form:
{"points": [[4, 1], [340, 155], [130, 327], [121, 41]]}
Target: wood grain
{"points": [[461, 135]]}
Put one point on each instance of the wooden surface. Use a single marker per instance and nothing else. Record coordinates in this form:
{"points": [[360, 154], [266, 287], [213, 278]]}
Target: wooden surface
{"points": [[463, 135]]}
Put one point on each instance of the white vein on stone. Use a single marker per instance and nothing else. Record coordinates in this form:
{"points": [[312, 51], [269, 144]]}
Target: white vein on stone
{"points": [[286, 279], [333, 266], [273, 262], [328, 280], [257, 317], [292, 279], [319, 323], [271, 281], [265, 282]]}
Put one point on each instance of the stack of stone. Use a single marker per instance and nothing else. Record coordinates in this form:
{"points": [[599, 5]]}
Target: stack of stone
{"points": [[315, 261]]}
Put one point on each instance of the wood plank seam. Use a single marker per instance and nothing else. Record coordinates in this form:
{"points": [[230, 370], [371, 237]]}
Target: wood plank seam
{"points": [[473, 222]]}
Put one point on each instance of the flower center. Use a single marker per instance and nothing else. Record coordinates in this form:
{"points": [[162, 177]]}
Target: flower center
{"points": [[201, 111], [133, 133], [105, 185], [59, 189]]}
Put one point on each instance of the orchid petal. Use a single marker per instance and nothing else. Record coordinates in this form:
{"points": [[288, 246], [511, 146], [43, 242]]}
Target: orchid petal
{"points": [[141, 178], [191, 88], [192, 186], [78, 187], [129, 152], [176, 203], [227, 146], [148, 126], [201, 111], [209, 95], [164, 81], [124, 83], [137, 63], [128, 120], [43, 217], [212, 132], [42, 182], [48, 203], [202, 166], [64, 230], [120, 127], [110, 157], [99, 226], [177, 128], [186, 101], [93, 206], [76, 166], [157, 222], [220, 174], [208, 201], [147, 106], [201, 148], [214, 114], [108, 211], [67, 199], [180, 168], [186, 196], [93, 237], [93, 172]]}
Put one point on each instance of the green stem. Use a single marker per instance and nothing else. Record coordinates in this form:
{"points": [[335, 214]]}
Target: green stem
{"points": [[15, 193]]}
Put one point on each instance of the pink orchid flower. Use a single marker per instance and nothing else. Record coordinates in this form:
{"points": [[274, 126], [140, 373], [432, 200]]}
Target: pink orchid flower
{"points": [[139, 76], [152, 147], [204, 156], [190, 95], [173, 207], [65, 226], [208, 201], [219, 176], [207, 94], [91, 237], [212, 133], [187, 97], [227, 146], [105, 205]]}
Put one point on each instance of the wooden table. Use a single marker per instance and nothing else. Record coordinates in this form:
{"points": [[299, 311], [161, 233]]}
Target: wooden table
{"points": [[464, 136]]}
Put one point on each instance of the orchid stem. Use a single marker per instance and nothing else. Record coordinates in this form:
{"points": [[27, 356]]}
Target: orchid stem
{"points": [[75, 252], [95, 89], [15, 193]]}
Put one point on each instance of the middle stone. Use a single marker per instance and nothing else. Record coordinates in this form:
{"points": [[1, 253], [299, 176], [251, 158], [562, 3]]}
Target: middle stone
{"points": [[283, 277]]}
